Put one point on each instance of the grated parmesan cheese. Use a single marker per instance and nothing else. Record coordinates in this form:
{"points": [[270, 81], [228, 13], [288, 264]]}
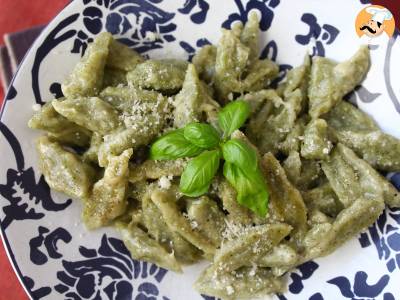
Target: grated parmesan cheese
{"points": [[229, 290], [164, 183]]}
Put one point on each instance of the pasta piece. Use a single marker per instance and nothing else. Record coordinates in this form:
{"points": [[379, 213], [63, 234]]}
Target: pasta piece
{"points": [[249, 246], [346, 117], [127, 97], [237, 68], [162, 75], [236, 212], [284, 197], [342, 178], [315, 216], [177, 222], [231, 60], [90, 154], [64, 171], [250, 36], [142, 124], [58, 127], [297, 78], [121, 57], [304, 174], [114, 77], [329, 81], [293, 139], [143, 247], [361, 180], [246, 282], [259, 75], [257, 99], [91, 113], [316, 144], [204, 61], [192, 100], [108, 198], [370, 180], [279, 256], [292, 166], [158, 229], [358, 131], [323, 239], [271, 125], [152, 169], [86, 78], [205, 215], [379, 149], [324, 199]]}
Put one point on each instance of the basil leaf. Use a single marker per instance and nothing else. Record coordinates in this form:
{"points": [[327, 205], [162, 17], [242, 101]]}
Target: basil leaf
{"points": [[202, 135], [233, 116], [250, 187], [197, 176], [173, 145], [240, 154]]}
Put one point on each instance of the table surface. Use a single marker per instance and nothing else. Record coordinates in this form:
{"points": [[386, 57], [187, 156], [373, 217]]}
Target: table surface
{"points": [[21, 14]]}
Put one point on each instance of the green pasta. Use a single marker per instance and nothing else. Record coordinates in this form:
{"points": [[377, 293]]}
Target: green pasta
{"points": [[276, 178], [64, 171]]}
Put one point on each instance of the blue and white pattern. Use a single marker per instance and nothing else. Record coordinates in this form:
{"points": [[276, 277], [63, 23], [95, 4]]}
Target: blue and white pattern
{"points": [[109, 273], [53, 254]]}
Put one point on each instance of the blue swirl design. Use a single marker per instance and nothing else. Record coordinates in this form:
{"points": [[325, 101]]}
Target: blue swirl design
{"points": [[323, 35], [49, 240], [384, 235], [200, 15], [301, 273], [22, 182], [36, 293], [134, 19], [264, 7], [191, 50], [270, 51], [108, 273], [360, 289], [363, 94]]}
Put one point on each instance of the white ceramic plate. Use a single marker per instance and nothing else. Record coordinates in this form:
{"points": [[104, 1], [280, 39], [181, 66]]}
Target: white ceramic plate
{"points": [[52, 253]]}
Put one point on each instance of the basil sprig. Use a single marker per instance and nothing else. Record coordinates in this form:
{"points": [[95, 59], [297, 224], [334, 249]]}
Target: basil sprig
{"points": [[233, 116], [202, 135], [208, 147], [197, 176], [173, 145]]}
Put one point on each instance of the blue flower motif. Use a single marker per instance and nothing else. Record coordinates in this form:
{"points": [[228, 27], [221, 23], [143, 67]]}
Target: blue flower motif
{"points": [[270, 51], [323, 35], [21, 181], [384, 235], [200, 15], [265, 8], [108, 273], [191, 50], [301, 273], [361, 290], [132, 19], [49, 240]]}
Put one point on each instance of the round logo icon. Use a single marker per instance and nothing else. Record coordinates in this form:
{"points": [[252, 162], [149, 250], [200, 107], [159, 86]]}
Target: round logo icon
{"points": [[374, 21]]}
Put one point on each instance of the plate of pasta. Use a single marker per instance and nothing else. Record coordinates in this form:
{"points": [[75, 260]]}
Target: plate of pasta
{"points": [[203, 150]]}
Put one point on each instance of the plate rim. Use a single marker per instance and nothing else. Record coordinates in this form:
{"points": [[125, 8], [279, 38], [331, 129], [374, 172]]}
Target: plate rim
{"points": [[4, 238]]}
